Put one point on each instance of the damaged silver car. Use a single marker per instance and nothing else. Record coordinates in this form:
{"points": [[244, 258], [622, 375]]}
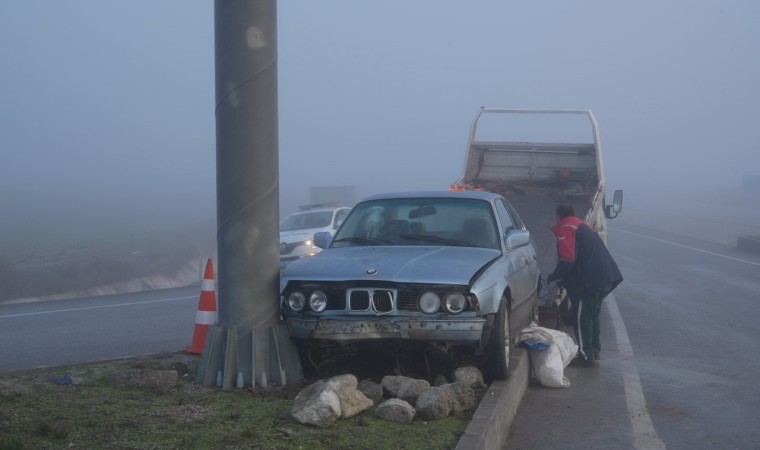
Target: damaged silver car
{"points": [[443, 269]]}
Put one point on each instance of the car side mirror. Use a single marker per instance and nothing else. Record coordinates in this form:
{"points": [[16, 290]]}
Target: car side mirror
{"points": [[516, 238], [611, 211], [322, 239]]}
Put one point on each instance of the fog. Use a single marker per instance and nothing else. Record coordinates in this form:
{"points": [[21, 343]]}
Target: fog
{"points": [[107, 108]]}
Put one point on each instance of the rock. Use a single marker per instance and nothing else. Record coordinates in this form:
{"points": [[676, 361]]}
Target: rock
{"points": [[391, 384], [160, 380], [341, 382], [410, 389], [462, 395], [434, 403], [352, 400], [181, 368], [396, 410], [318, 405], [440, 380], [371, 389], [470, 375]]}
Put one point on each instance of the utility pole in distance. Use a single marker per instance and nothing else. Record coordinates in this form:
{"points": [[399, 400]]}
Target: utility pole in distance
{"points": [[249, 346]]}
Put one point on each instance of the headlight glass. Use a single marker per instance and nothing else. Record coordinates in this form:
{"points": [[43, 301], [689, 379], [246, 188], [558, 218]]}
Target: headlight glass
{"points": [[429, 302], [455, 303], [318, 301], [296, 301]]}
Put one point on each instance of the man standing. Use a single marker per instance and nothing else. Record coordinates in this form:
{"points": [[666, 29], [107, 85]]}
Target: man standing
{"points": [[588, 273]]}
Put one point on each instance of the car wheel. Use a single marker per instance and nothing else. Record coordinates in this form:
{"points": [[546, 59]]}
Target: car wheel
{"points": [[499, 346]]}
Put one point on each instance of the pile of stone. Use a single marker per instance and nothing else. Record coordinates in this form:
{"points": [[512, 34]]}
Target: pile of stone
{"points": [[400, 398]]}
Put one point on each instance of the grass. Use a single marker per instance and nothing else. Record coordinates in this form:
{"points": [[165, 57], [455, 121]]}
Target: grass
{"points": [[37, 413]]}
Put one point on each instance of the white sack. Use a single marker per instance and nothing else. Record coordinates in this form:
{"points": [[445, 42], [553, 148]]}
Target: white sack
{"points": [[549, 365]]}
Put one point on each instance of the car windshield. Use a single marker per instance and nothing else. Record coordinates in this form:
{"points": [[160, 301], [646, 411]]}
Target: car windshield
{"points": [[307, 220], [420, 221]]}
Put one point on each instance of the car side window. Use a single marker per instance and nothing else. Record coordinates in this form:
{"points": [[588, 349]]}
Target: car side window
{"points": [[515, 218], [504, 217]]}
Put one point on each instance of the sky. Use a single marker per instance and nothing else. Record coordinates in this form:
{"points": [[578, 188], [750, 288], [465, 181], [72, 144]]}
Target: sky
{"points": [[107, 126]]}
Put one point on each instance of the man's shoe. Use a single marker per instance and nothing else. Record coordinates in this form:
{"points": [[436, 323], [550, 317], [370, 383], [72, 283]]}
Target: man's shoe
{"points": [[583, 362]]}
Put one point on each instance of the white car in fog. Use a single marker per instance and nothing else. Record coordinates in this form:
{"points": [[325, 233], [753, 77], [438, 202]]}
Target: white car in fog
{"points": [[297, 230]]}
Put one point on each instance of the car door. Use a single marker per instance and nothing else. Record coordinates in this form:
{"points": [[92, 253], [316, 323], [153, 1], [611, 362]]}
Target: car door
{"points": [[532, 271], [520, 260]]}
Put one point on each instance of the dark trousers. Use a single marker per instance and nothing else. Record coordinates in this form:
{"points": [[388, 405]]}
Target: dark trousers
{"points": [[586, 324]]}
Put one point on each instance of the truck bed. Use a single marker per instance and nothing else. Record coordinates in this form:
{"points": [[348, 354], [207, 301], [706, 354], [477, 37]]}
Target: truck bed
{"points": [[538, 174]]}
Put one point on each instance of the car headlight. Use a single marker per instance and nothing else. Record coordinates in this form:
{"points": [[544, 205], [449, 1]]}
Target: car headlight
{"points": [[455, 303], [296, 301], [429, 302], [318, 301]]}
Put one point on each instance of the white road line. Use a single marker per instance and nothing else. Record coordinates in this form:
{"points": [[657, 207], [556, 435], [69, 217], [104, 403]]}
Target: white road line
{"points": [[53, 311], [687, 247], [643, 431]]}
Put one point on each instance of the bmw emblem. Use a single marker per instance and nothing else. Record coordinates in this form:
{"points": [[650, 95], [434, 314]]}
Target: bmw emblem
{"points": [[371, 271]]}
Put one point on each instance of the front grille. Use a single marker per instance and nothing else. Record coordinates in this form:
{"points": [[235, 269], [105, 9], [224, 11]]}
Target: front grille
{"points": [[383, 300], [407, 300], [358, 300], [336, 300], [379, 300]]}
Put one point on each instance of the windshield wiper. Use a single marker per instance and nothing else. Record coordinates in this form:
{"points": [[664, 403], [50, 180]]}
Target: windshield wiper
{"points": [[436, 239], [364, 240]]}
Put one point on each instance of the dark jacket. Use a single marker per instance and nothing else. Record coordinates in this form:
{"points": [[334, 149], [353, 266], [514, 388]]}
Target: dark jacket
{"points": [[584, 264]]}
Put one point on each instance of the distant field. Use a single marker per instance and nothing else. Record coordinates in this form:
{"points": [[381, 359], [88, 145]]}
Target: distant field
{"points": [[163, 261], [722, 224]]}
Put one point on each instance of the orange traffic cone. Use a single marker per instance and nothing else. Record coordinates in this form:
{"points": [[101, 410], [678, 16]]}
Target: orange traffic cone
{"points": [[206, 315]]}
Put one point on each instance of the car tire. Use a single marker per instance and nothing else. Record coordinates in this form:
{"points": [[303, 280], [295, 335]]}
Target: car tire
{"points": [[499, 348]]}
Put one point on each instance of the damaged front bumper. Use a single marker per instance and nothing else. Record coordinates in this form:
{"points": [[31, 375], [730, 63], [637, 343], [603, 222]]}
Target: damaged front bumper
{"points": [[460, 330]]}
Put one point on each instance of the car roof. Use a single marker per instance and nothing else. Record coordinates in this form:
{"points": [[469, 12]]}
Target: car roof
{"points": [[478, 195]]}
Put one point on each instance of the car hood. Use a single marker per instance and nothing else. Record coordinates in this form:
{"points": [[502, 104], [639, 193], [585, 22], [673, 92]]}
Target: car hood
{"points": [[297, 235], [402, 264]]}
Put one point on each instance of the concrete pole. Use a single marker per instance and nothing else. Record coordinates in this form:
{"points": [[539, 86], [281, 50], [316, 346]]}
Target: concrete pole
{"points": [[249, 343]]}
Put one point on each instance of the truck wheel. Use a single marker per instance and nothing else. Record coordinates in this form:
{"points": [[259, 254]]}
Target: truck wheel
{"points": [[498, 346]]}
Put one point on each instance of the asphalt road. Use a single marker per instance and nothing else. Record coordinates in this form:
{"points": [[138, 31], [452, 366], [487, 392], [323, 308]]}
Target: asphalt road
{"points": [[681, 355], [53, 333]]}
